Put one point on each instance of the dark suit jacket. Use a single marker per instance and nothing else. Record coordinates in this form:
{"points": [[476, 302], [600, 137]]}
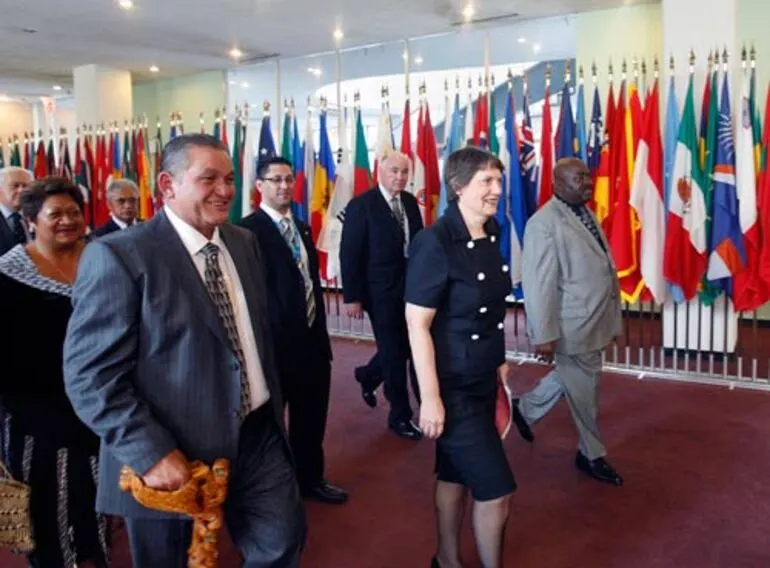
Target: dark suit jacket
{"points": [[7, 240], [286, 289], [109, 227], [372, 248], [147, 363]]}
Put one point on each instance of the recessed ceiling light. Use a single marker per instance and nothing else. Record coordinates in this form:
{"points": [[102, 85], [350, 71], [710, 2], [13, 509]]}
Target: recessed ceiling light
{"points": [[314, 71], [536, 47], [418, 60], [126, 4], [468, 12], [57, 88], [245, 85], [338, 35], [154, 69], [522, 40], [4, 98], [231, 82], [236, 53]]}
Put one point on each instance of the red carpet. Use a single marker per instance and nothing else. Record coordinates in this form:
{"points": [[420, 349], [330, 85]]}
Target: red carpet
{"points": [[695, 460]]}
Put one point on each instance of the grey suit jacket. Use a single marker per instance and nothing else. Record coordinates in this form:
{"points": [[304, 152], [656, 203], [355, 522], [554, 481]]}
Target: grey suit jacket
{"points": [[147, 363], [571, 289]]}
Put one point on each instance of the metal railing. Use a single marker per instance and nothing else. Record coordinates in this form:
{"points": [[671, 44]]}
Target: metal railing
{"points": [[689, 342]]}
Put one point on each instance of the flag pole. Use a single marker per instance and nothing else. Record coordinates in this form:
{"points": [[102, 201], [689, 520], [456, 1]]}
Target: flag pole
{"points": [[338, 78], [487, 65]]}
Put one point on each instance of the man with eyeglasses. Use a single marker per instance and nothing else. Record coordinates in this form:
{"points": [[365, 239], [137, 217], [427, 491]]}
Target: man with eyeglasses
{"points": [[123, 202], [298, 320]]}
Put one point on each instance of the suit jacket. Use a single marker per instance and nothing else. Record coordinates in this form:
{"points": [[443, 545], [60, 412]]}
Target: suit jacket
{"points": [[147, 362], [7, 240], [372, 248], [571, 289], [286, 290], [109, 227]]}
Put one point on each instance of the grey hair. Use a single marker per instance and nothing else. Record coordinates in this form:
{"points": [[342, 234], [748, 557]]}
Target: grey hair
{"points": [[117, 184], [173, 159], [5, 172]]}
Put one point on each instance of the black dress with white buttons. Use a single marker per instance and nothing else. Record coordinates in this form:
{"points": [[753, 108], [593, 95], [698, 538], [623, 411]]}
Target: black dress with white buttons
{"points": [[466, 281]]}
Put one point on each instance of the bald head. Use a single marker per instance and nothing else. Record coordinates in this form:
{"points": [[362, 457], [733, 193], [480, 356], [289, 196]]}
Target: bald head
{"points": [[393, 171], [572, 181]]}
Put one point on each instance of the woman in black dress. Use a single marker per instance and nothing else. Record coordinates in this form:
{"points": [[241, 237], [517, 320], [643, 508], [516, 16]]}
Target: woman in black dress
{"points": [[43, 442], [456, 287]]}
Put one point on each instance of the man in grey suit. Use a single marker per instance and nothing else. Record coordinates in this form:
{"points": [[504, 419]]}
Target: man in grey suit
{"points": [[169, 359], [571, 295]]}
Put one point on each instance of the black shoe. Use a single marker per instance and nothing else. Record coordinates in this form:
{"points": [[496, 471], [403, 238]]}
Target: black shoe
{"points": [[434, 563], [407, 430], [325, 493], [598, 469], [370, 398], [521, 424]]}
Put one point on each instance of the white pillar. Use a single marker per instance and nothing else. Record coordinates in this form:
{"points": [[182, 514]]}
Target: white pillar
{"points": [[701, 26], [102, 94]]}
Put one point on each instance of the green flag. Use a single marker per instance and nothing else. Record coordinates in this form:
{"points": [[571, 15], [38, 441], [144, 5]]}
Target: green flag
{"points": [[236, 209], [286, 142], [709, 293], [494, 143]]}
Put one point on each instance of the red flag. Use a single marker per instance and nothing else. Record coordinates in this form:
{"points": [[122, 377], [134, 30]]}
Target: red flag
{"points": [[427, 164], [545, 189], [763, 205], [41, 161]]}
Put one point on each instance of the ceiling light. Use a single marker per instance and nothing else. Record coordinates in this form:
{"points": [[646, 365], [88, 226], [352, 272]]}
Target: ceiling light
{"points": [[338, 35], [245, 85], [314, 71], [126, 4], [536, 47], [231, 82], [418, 60], [236, 53], [57, 88], [468, 12], [154, 69], [4, 98], [404, 56], [522, 40]]}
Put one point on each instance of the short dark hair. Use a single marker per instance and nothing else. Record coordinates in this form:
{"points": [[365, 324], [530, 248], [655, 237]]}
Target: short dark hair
{"points": [[462, 165], [173, 159], [36, 194], [264, 165]]}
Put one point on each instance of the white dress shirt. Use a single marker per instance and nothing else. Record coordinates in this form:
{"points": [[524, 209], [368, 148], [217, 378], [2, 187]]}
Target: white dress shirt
{"points": [[194, 242], [389, 199], [121, 224], [277, 217]]}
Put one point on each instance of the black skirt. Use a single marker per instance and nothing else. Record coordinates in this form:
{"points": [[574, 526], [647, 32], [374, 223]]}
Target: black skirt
{"points": [[470, 451]]}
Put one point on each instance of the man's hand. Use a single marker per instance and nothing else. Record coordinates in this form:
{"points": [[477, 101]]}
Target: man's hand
{"points": [[354, 310], [169, 474], [545, 351]]}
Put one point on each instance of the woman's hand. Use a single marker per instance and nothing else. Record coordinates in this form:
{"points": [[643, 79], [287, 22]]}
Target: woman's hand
{"points": [[432, 417], [502, 373]]}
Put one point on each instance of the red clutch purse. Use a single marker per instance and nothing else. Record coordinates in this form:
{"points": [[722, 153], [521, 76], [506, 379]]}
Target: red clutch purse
{"points": [[503, 409]]}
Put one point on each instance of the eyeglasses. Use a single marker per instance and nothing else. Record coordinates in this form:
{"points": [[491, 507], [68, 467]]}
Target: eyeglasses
{"points": [[289, 180]]}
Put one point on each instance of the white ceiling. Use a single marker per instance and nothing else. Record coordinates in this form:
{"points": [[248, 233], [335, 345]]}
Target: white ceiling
{"points": [[185, 36]]}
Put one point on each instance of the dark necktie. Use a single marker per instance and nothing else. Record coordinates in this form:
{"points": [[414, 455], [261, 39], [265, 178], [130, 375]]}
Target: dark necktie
{"points": [[291, 237], [218, 291], [398, 212], [589, 223], [17, 228]]}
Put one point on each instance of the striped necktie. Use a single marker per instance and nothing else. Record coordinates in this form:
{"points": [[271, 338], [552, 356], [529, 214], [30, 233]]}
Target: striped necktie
{"points": [[291, 237]]}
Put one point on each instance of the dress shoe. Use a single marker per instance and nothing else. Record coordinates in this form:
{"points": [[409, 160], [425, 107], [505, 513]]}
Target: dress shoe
{"points": [[521, 424], [598, 469], [370, 398], [407, 430], [434, 563], [324, 492]]}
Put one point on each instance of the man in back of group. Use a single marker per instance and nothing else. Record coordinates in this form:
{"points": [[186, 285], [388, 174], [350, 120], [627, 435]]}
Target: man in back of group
{"points": [[298, 321], [379, 225], [13, 229], [123, 202], [169, 359]]}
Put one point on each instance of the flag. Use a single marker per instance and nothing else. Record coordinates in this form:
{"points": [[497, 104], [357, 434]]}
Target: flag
{"points": [[236, 207], [599, 161], [304, 164], [362, 175], [582, 148], [647, 201], [287, 146], [684, 260], [266, 150], [428, 160], [545, 180], [528, 158], [516, 197], [494, 143], [248, 167], [763, 199], [709, 292], [454, 131], [384, 140], [727, 256], [565, 133], [143, 175], [324, 179], [481, 123], [749, 292], [669, 153]]}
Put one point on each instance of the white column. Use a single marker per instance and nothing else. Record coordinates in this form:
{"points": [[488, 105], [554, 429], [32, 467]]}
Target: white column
{"points": [[701, 26], [102, 94]]}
